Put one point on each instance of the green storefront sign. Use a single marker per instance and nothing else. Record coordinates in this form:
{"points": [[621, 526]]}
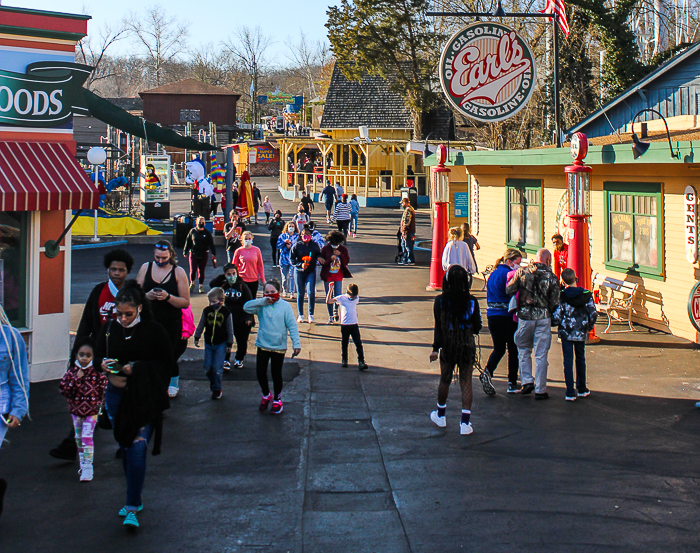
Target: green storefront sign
{"points": [[46, 96]]}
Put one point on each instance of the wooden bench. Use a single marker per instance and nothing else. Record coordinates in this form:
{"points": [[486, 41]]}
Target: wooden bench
{"points": [[615, 298]]}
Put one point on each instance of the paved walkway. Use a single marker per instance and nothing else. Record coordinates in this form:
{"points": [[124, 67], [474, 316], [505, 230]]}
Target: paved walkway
{"points": [[355, 465]]}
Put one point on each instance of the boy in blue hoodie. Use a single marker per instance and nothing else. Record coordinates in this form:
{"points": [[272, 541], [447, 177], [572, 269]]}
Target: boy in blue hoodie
{"points": [[575, 316]]}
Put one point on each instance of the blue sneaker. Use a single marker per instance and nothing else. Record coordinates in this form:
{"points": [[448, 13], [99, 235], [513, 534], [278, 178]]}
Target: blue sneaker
{"points": [[123, 512], [697, 405], [131, 520]]}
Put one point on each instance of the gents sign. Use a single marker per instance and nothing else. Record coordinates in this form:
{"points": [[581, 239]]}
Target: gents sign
{"points": [[691, 225], [487, 72], [46, 96]]}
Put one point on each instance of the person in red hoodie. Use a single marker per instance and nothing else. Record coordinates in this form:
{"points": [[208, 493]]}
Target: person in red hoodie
{"points": [[84, 388], [561, 254]]}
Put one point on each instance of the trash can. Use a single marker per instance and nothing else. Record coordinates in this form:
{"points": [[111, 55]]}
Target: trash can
{"points": [[182, 224], [411, 193]]}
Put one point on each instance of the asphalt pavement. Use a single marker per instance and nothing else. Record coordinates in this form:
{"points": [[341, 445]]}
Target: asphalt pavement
{"points": [[354, 463]]}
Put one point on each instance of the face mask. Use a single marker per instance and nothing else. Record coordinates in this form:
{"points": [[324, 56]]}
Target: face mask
{"points": [[290, 231], [247, 243], [136, 321], [163, 263], [274, 296], [306, 238], [215, 305], [200, 225], [231, 279]]}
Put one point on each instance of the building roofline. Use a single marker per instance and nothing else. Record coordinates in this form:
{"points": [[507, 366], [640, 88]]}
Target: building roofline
{"points": [[675, 60]]}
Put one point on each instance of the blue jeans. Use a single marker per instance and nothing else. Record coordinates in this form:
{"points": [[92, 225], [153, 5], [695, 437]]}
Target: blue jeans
{"points": [[337, 291], [229, 255], [353, 222], [288, 278], [568, 348], [306, 282], [134, 456], [214, 364], [407, 246]]}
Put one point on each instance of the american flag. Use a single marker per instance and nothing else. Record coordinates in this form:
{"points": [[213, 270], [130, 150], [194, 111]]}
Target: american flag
{"points": [[557, 6]]}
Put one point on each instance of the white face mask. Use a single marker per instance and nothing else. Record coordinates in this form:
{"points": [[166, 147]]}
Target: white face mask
{"points": [[247, 243], [136, 321]]}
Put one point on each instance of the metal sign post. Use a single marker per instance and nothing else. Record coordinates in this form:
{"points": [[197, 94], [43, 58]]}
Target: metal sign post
{"points": [[555, 45]]}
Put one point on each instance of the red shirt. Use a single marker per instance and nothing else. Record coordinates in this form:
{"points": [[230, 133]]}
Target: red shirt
{"points": [[560, 258], [105, 305]]}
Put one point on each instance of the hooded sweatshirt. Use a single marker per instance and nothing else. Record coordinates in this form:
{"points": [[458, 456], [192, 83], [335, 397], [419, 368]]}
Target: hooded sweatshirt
{"points": [[576, 314]]}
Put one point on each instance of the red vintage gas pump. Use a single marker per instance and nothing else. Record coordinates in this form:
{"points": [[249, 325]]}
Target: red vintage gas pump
{"points": [[440, 189], [578, 179]]}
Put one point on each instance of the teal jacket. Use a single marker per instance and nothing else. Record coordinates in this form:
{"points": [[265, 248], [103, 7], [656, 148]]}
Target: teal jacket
{"points": [[275, 321]]}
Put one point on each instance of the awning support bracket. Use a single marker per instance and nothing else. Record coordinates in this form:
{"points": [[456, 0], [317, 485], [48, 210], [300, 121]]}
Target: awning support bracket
{"points": [[52, 247]]}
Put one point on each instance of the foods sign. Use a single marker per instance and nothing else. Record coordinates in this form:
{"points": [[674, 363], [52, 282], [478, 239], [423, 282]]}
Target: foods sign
{"points": [[487, 72]]}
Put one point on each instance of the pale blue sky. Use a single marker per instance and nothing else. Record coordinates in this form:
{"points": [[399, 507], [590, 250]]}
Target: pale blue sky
{"points": [[213, 22]]}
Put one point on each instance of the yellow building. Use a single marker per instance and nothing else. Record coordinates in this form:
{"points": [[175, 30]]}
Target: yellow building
{"points": [[638, 223]]}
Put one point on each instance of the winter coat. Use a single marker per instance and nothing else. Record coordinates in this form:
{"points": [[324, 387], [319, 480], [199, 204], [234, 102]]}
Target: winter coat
{"points": [[84, 394], [282, 247], [576, 314], [539, 291]]}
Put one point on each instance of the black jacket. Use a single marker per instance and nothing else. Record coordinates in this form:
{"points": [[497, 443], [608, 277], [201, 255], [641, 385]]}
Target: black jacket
{"points": [[146, 393], [300, 250], [235, 297], [472, 321], [90, 322], [199, 242], [276, 227]]}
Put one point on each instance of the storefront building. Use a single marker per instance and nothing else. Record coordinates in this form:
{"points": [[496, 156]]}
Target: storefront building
{"points": [[638, 224], [40, 181]]}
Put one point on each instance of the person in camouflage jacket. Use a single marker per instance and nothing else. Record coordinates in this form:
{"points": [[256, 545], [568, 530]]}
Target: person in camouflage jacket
{"points": [[576, 316], [538, 297]]}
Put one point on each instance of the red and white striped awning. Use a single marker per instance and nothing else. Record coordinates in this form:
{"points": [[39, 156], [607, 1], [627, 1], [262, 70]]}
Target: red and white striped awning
{"points": [[43, 176]]}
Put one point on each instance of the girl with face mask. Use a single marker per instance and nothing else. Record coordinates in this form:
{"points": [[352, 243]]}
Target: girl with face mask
{"points": [[304, 255], [249, 262], [136, 356], [285, 242], [276, 322], [198, 246], [276, 228], [236, 294], [166, 287]]}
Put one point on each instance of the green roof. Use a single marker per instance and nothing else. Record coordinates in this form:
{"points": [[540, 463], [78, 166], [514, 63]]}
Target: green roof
{"points": [[608, 154]]}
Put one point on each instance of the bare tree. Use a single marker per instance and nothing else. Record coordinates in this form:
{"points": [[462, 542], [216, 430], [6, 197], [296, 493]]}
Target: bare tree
{"points": [[92, 51], [308, 58], [248, 48], [161, 37]]}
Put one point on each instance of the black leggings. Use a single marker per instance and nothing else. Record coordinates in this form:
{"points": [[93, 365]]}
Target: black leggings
{"points": [[253, 287], [275, 253], [344, 226], [502, 329], [276, 360], [241, 331], [179, 348], [346, 331]]}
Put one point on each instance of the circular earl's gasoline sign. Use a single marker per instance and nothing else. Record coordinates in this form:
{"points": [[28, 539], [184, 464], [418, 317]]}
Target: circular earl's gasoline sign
{"points": [[487, 72], [694, 306]]}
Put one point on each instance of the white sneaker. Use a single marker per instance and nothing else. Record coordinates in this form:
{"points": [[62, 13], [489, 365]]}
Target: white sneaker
{"points": [[172, 391], [311, 318], [437, 419], [300, 319], [465, 428], [86, 473]]}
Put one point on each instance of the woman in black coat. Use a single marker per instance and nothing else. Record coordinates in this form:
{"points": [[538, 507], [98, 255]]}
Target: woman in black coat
{"points": [[137, 357], [236, 294]]}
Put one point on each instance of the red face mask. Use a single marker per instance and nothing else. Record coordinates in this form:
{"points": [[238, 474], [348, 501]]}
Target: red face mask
{"points": [[275, 296], [306, 238]]}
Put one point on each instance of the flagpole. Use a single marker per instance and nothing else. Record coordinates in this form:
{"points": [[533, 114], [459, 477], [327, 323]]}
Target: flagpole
{"points": [[557, 106]]}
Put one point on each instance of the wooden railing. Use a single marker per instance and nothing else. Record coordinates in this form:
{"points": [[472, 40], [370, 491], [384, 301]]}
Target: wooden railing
{"points": [[352, 182]]}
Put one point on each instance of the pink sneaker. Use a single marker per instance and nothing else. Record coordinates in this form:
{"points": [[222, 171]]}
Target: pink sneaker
{"points": [[265, 401], [277, 408]]}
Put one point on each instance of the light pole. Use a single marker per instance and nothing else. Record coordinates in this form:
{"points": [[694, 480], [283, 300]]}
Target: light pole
{"points": [[639, 147], [96, 156], [440, 186]]}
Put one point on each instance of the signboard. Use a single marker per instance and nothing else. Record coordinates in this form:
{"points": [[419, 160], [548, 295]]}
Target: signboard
{"points": [[154, 178], [487, 72], [252, 156], [694, 306], [461, 202], [267, 154], [691, 224], [46, 96], [280, 99]]}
